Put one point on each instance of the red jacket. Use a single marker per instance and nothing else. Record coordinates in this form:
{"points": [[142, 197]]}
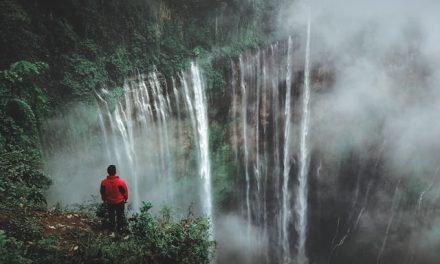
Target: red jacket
{"points": [[114, 190]]}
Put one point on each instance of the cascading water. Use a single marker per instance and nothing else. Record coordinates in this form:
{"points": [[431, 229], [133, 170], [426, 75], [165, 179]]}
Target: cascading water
{"points": [[201, 113], [266, 82], [286, 213], [149, 131], [244, 106], [267, 79], [302, 188]]}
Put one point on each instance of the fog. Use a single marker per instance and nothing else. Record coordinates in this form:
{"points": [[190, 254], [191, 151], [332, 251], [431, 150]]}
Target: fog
{"points": [[383, 58], [375, 97], [238, 242], [77, 153], [73, 155], [380, 98]]}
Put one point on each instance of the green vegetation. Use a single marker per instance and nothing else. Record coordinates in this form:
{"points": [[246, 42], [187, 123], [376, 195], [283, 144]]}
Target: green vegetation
{"points": [[10, 250], [93, 44], [34, 236], [56, 54], [22, 180], [151, 239]]}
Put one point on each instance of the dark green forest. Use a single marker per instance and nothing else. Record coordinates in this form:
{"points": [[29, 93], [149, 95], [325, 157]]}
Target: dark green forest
{"points": [[56, 53]]}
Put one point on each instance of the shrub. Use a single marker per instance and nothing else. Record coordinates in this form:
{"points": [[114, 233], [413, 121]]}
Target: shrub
{"points": [[152, 239], [10, 250]]}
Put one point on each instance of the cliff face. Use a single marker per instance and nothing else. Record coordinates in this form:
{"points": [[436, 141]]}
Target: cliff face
{"points": [[359, 201], [368, 198], [357, 182]]}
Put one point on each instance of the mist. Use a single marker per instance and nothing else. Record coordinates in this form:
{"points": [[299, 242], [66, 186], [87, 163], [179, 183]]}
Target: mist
{"points": [[73, 155], [77, 156], [374, 137], [238, 242], [376, 97], [383, 58]]}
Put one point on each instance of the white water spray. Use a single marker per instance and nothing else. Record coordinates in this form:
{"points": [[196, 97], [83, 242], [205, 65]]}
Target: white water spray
{"points": [[201, 113], [286, 159], [140, 133], [245, 143], [302, 190]]}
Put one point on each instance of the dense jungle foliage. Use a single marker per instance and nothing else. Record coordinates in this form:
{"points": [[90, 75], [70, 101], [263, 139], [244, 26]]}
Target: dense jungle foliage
{"points": [[57, 52]]}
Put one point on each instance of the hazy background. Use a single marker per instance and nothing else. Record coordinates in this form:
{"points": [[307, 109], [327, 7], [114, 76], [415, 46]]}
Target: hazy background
{"points": [[376, 103]]}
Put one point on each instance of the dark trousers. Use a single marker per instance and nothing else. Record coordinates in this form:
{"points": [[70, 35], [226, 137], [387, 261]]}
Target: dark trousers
{"points": [[118, 211]]}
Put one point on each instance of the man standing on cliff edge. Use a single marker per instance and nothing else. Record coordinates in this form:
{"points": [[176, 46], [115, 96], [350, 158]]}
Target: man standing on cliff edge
{"points": [[114, 193]]}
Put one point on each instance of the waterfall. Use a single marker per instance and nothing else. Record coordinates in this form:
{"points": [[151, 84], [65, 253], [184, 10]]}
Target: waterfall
{"points": [[104, 130], [266, 83], [286, 157], [148, 135], [244, 106], [121, 119], [302, 188], [265, 116], [201, 114]]}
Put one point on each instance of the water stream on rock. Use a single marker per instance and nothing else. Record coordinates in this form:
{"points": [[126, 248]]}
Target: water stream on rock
{"points": [[149, 111]]}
